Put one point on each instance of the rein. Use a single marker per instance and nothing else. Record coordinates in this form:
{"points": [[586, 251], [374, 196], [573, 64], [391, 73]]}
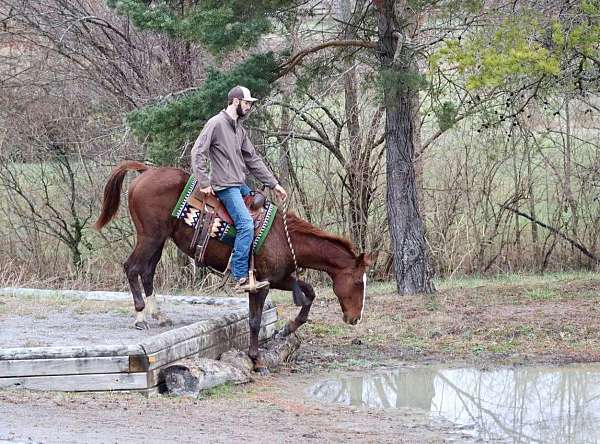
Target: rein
{"points": [[287, 235]]}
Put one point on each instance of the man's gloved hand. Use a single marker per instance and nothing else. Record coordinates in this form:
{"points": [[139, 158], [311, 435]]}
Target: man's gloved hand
{"points": [[280, 192]]}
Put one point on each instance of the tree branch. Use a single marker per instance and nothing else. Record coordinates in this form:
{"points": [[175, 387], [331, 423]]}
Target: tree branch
{"points": [[287, 67], [555, 231]]}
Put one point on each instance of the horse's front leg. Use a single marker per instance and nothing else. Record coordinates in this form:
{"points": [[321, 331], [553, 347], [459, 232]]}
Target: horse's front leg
{"points": [[302, 317], [256, 304]]}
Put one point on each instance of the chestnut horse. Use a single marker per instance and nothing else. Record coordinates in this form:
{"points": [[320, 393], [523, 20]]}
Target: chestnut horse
{"points": [[152, 196]]}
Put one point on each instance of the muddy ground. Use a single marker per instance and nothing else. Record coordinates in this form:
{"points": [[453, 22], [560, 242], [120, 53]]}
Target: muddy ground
{"points": [[484, 323]]}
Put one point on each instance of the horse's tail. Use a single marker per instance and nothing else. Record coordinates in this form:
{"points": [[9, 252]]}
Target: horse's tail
{"points": [[112, 190]]}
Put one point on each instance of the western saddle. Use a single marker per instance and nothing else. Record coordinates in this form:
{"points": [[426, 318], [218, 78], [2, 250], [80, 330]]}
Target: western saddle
{"points": [[212, 208]]}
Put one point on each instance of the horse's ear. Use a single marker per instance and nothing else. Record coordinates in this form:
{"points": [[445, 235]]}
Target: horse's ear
{"points": [[364, 259]]}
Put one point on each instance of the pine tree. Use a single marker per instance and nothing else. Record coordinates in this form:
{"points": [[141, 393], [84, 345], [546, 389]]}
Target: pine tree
{"points": [[168, 128]]}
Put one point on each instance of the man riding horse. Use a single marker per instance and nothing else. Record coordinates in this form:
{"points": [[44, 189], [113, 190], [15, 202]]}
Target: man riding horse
{"points": [[224, 144], [155, 192]]}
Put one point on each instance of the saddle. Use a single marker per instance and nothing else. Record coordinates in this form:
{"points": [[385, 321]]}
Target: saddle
{"points": [[255, 202], [214, 218]]}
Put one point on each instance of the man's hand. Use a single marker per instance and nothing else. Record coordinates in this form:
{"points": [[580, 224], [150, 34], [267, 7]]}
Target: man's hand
{"points": [[207, 190], [280, 192]]}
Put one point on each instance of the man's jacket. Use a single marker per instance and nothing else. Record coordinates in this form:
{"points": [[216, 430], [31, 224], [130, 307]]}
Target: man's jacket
{"points": [[225, 142]]}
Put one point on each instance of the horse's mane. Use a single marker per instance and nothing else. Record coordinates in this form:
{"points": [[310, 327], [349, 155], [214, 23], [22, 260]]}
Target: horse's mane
{"points": [[295, 224]]}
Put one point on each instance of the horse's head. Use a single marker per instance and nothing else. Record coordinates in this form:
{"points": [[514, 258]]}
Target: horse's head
{"points": [[350, 286]]}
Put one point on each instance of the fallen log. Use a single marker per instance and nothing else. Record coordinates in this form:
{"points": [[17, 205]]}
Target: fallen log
{"points": [[191, 376], [280, 350]]}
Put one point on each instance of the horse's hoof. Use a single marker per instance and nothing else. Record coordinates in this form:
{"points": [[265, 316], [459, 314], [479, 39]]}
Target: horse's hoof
{"points": [[166, 322], [141, 325], [262, 371]]}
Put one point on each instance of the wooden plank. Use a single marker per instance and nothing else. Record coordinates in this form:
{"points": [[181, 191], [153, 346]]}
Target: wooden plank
{"points": [[69, 352], [197, 345], [79, 383], [167, 339], [204, 341], [138, 363], [63, 366]]}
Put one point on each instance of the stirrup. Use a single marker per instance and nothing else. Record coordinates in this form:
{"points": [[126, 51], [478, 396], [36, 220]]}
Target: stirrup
{"points": [[246, 285]]}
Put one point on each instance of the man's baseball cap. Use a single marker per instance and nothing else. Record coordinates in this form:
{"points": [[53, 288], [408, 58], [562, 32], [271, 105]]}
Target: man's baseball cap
{"points": [[240, 92]]}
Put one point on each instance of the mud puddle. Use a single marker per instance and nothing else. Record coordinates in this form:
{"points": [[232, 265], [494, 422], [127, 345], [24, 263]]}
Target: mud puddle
{"points": [[526, 404]]}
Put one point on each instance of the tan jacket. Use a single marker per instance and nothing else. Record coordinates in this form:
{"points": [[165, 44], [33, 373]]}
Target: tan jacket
{"points": [[225, 143]]}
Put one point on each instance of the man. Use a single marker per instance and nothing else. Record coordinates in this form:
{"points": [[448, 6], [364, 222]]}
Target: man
{"points": [[225, 144]]}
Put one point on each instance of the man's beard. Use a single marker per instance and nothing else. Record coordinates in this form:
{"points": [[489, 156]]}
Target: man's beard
{"points": [[240, 111]]}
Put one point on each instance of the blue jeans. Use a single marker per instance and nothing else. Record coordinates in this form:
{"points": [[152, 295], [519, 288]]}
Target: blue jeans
{"points": [[233, 200]]}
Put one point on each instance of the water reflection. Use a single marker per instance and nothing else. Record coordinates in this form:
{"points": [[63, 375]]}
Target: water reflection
{"points": [[558, 405]]}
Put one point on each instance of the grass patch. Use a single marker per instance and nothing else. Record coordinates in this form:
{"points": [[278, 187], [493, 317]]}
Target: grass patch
{"points": [[333, 330], [504, 347], [413, 342], [223, 391], [540, 294]]}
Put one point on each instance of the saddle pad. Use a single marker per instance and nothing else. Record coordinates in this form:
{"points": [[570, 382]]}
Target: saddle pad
{"points": [[188, 190], [221, 230]]}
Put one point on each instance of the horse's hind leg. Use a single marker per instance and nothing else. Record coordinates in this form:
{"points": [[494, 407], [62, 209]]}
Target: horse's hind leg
{"points": [[302, 317], [152, 306], [135, 267]]}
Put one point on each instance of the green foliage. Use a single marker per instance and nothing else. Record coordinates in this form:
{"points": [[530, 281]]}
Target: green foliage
{"points": [[523, 47], [446, 115], [509, 53], [394, 81], [220, 25], [167, 127], [220, 30]]}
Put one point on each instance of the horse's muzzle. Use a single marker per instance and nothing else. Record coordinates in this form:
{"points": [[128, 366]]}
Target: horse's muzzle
{"points": [[351, 320]]}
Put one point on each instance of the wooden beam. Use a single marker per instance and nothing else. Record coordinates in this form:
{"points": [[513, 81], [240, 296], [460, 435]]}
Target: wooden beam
{"points": [[203, 343], [69, 352], [79, 383], [63, 366]]}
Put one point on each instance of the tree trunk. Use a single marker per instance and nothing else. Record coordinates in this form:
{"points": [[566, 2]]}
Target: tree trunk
{"points": [[412, 266]]}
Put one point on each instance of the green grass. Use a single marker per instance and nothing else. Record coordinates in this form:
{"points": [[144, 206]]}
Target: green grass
{"points": [[223, 391], [540, 294], [336, 330]]}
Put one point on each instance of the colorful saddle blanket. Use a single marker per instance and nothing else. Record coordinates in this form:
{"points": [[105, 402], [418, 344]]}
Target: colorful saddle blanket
{"points": [[222, 228]]}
